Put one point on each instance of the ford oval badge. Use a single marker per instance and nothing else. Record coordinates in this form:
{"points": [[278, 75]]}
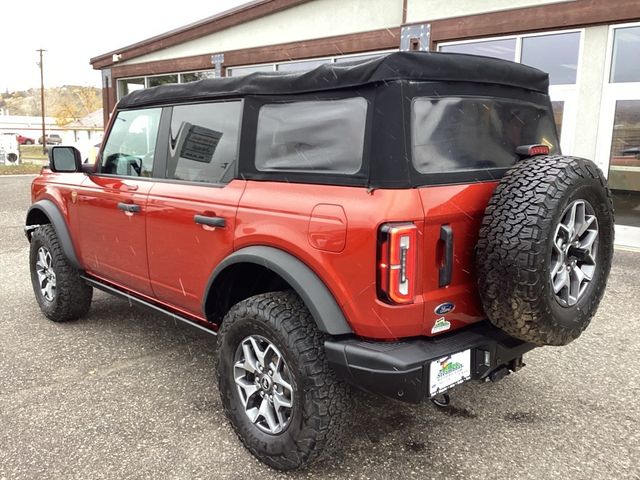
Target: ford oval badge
{"points": [[444, 308]]}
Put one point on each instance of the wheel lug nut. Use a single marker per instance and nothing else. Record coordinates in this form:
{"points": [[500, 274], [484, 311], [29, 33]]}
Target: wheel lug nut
{"points": [[270, 373]]}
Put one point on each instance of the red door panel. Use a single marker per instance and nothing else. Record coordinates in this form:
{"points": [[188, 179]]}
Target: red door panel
{"points": [[183, 253], [112, 240]]}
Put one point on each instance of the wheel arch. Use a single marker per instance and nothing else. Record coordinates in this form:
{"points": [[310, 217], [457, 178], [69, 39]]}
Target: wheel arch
{"points": [[280, 270], [46, 212]]}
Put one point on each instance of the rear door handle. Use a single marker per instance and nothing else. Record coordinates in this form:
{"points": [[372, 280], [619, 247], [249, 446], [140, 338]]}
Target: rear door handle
{"points": [[209, 221], [129, 207], [446, 269]]}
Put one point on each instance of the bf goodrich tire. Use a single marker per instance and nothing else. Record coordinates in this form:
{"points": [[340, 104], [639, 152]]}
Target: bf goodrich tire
{"points": [[60, 291], [277, 389], [545, 248]]}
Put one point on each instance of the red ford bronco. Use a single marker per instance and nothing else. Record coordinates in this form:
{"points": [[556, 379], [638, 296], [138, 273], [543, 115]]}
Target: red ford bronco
{"points": [[402, 224]]}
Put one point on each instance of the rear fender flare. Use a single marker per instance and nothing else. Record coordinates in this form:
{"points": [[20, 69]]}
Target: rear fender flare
{"points": [[314, 293]]}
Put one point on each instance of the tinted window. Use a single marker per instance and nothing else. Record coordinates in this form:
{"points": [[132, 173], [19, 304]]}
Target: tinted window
{"points": [[131, 144], [325, 135], [555, 54], [626, 45], [203, 145], [504, 49], [458, 134]]}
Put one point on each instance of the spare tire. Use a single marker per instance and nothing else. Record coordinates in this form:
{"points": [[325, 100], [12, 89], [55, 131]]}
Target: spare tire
{"points": [[545, 248]]}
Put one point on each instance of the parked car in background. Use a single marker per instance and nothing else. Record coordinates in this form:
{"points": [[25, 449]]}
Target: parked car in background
{"points": [[53, 139], [22, 140]]}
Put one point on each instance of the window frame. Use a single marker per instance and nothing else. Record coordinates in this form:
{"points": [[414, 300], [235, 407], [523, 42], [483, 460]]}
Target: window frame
{"points": [[247, 166]]}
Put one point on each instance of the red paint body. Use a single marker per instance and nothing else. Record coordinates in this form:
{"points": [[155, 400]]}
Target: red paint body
{"points": [[162, 254]]}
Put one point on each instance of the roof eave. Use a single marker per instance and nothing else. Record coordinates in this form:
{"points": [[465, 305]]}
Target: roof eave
{"points": [[229, 18]]}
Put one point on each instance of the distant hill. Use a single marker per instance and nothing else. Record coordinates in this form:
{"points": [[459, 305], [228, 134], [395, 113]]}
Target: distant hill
{"points": [[67, 104]]}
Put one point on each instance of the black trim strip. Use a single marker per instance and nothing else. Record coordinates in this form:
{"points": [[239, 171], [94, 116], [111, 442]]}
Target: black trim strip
{"points": [[122, 294]]}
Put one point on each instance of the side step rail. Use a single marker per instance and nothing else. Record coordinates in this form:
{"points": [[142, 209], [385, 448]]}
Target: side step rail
{"points": [[122, 294]]}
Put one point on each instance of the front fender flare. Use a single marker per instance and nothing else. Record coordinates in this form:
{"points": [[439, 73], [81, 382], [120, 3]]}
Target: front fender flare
{"points": [[51, 211], [314, 293]]}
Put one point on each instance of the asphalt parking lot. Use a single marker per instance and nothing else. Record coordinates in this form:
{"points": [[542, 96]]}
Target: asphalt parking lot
{"points": [[125, 393]]}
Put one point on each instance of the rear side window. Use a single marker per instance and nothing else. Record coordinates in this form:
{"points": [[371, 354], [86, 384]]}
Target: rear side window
{"points": [[203, 144], [456, 134], [131, 145], [320, 136]]}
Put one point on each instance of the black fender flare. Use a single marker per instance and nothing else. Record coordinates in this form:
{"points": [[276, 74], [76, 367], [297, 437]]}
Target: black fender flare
{"points": [[51, 211], [314, 293]]}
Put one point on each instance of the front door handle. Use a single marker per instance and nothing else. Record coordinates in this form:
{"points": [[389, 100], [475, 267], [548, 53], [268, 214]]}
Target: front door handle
{"points": [[209, 221], [129, 207]]}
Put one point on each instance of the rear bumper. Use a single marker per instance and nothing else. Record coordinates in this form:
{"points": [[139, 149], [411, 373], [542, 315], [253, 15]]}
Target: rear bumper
{"points": [[400, 370]]}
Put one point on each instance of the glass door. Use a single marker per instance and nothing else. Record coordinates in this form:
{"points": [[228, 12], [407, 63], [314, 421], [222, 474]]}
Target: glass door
{"points": [[619, 142]]}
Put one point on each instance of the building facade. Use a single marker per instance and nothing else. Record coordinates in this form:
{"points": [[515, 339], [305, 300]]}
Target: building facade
{"points": [[590, 48]]}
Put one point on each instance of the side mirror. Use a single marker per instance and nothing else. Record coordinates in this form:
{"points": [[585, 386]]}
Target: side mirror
{"points": [[65, 159]]}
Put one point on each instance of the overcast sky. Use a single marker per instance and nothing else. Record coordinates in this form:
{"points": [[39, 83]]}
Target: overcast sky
{"points": [[73, 31]]}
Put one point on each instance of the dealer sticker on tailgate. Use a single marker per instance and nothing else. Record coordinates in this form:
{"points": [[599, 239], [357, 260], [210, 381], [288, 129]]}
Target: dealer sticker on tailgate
{"points": [[448, 371]]}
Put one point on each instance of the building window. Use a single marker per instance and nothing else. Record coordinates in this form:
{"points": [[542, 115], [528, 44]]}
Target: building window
{"points": [[301, 65], [126, 86], [195, 76], [242, 71], [161, 80], [504, 49], [555, 53], [624, 164], [625, 66]]}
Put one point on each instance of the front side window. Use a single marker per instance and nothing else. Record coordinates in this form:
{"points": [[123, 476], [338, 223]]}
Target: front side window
{"points": [[130, 148], [204, 142], [456, 134], [321, 136]]}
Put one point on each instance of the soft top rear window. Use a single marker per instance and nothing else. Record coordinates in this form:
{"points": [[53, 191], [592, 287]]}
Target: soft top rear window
{"points": [[457, 134]]}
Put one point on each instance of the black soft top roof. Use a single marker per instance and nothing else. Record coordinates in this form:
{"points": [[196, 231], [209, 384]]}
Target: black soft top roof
{"points": [[416, 66]]}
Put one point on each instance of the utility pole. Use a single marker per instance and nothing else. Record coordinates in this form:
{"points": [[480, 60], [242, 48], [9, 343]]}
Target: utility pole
{"points": [[44, 137]]}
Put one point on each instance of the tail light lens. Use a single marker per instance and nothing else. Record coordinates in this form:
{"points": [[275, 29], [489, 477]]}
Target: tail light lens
{"points": [[397, 262]]}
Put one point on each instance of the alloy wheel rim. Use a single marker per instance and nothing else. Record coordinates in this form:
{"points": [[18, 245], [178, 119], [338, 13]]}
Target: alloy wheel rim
{"points": [[46, 275], [575, 248], [264, 384]]}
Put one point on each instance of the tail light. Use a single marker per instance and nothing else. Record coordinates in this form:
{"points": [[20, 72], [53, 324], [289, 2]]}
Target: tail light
{"points": [[532, 150], [397, 248]]}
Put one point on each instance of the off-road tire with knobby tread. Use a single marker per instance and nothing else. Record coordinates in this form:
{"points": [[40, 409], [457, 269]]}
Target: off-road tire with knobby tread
{"points": [[514, 249], [321, 401], [73, 296]]}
